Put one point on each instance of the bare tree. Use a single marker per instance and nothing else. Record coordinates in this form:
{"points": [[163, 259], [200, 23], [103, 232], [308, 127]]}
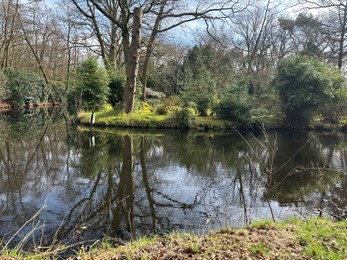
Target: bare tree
{"points": [[335, 12], [69, 25], [9, 29], [254, 37], [33, 48], [104, 30], [42, 40], [171, 14]]}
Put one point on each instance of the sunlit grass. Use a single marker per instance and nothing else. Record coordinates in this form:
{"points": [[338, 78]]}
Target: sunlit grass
{"points": [[323, 238], [147, 119], [109, 117]]}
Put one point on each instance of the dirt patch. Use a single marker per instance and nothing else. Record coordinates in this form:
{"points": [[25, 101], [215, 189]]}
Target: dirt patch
{"points": [[250, 243]]}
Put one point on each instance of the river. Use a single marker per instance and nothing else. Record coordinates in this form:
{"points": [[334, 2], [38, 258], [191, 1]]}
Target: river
{"points": [[61, 182]]}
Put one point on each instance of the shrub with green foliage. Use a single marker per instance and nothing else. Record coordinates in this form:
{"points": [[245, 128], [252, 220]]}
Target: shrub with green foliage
{"points": [[201, 91], [116, 89], [203, 103], [161, 109], [233, 108], [24, 87], [185, 117], [4, 91], [21, 88], [92, 86], [55, 91], [303, 84], [169, 105]]}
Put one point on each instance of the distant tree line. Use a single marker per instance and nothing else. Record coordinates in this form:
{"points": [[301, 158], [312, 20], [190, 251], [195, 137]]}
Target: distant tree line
{"points": [[232, 58]]}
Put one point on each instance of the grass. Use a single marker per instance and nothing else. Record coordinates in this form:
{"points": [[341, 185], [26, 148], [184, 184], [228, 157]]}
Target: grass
{"points": [[108, 117], [327, 241], [147, 119], [312, 238]]}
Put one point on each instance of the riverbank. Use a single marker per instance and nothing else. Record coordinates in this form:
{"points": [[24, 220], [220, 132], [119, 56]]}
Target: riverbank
{"points": [[107, 117], [312, 238], [146, 118]]}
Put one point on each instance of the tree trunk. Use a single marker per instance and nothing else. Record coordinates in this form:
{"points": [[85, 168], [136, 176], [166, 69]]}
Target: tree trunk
{"points": [[145, 70], [112, 52], [342, 38], [132, 66], [150, 49]]}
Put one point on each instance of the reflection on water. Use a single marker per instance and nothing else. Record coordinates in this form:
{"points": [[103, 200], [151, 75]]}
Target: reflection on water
{"points": [[121, 184]]}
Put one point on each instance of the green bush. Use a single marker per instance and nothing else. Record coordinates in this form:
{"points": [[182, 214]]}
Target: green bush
{"points": [[143, 106], [233, 109], [169, 105], [304, 84], [55, 92], [21, 88], [173, 101], [200, 89], [92, 84], [185, 117], [4, 91], [116, 89], [203, 104], [161, 109]]}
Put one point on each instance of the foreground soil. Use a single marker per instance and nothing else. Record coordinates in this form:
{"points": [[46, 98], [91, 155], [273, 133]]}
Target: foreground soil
{"points": [[313, 238]]}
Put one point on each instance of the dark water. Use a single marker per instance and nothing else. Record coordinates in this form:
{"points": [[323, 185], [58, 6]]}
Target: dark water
{"points": [[62, 183]]}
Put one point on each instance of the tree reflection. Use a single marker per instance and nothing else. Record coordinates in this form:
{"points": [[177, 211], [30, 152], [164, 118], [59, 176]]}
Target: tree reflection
{"points": [[125, 193], [28, 155], [300, 168], [143, 183], [147, 185]]}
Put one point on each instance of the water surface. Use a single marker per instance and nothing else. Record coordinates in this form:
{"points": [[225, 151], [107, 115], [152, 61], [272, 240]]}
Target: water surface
{"points": [[61, 182]]}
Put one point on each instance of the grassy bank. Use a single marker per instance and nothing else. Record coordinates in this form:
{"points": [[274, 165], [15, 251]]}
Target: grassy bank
{"points": [[107, 117], [313, 238]]}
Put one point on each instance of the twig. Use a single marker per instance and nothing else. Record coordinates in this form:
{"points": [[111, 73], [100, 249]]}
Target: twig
{"points": [[27, 222]]}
